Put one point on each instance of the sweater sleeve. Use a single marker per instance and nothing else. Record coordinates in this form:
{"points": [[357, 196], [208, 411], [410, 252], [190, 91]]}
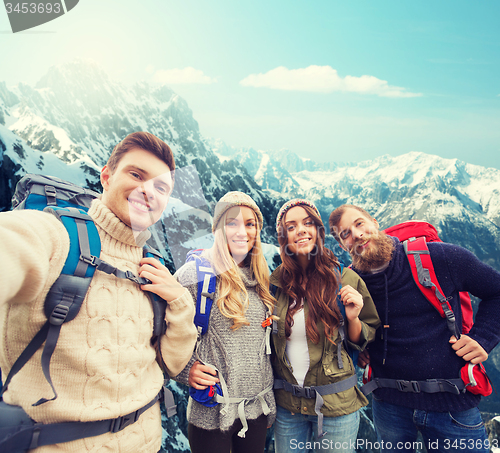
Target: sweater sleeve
{"points": [[368, 315], [34, 248], [187, 277], [481, 280], [180, 337]]}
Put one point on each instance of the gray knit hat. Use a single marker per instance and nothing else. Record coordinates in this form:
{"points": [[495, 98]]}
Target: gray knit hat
{"points": [[232, 199], [291, 204]]}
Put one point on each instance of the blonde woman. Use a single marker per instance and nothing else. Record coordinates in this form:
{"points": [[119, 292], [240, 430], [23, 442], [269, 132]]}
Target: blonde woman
{"points": [[234, 352]]}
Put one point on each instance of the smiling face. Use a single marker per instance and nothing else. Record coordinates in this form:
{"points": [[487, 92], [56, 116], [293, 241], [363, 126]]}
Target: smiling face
{"points": [[301, 234], [241, 231], [138, 190], [369, 248], [356, 231]]}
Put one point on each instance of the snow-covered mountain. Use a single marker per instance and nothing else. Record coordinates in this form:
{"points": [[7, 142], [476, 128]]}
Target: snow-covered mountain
{"points": [[460, 199], [69, 122]]}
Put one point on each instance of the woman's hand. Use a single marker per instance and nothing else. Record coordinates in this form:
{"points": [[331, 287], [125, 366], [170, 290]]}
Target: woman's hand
{"points": [[363, 359], [162, 282], [352, 300], [201, 376], [353, 303]]}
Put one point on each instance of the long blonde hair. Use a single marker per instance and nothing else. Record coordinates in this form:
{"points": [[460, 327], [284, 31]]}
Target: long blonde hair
{"points": [[233, 297]]}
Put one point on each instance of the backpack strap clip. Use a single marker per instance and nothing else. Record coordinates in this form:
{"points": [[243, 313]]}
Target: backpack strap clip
{"points": [[91, 260], [51, 194], [408, 386], [59, 314], [208, 295], [122, 422], [316, 392]]}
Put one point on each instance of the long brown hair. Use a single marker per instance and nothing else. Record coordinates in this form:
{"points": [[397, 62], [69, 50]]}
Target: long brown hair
{"points": [[322, 274]]}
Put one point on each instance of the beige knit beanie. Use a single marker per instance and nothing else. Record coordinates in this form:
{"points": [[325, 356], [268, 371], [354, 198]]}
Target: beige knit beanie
{"points": [[291, 204], [232, 199]]}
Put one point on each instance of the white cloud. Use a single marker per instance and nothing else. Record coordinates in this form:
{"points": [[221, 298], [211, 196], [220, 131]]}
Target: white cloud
{"points": [[150, 69], [187, 75], [323, 79]]}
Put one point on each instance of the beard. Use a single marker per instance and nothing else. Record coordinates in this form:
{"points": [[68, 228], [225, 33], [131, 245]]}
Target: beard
{"points": [[377, 255]]}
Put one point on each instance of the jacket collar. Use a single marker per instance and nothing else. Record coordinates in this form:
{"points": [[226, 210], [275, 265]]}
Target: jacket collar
{"points": [[274, 279]]}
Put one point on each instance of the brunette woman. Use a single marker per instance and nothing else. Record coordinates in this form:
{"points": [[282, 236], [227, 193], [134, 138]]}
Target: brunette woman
{"points": [[315, 385], [235, 351]]}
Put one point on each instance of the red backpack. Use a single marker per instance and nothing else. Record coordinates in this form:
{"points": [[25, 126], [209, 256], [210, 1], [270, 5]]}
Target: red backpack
{"points": [[420, 229], [415, 234]]}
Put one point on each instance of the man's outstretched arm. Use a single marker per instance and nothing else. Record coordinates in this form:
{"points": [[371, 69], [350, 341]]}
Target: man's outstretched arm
{"points": [[34, 246]]}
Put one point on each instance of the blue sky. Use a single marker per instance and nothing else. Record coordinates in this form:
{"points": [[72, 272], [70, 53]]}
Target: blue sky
{"points": [[330, 80]]}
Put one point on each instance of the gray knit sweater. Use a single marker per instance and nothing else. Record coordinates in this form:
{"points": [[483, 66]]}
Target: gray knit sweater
{"points": [[239, 355]]}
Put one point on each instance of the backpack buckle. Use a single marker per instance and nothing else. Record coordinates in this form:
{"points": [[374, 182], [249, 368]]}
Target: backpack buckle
{"points": [[298, 391], [303, 392], [309, 392], [408, 386], [50, 194], [122, 422], [89, 260], [129, 275]]}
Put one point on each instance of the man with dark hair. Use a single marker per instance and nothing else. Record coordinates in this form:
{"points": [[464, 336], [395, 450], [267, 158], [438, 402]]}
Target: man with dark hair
{"points": [[145, 141], [414, 358], [105, 365]]}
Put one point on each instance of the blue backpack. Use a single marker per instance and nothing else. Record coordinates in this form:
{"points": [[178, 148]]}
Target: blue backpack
{"points": [[69, 203], [207, 283], [218, 393]]}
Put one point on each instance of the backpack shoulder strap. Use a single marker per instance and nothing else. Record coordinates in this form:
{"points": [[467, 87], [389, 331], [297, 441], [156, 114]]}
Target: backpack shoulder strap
{"points": [[425, 278], [272, 290], [339, 301], [159, 305], [207, 283], [159, 328], [66, 295]]}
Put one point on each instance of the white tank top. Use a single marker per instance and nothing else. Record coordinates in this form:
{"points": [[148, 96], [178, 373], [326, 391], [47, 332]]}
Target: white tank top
{"points": [[296, 347]]}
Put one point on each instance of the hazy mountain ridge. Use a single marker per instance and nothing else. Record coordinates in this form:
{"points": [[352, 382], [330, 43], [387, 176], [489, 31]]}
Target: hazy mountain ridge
{"points": [[461, 200], [67, 127], [68, 124], [78, 114]]}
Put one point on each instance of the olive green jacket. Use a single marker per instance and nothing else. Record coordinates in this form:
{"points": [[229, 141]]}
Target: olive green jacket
{"points": [[323, 368]]}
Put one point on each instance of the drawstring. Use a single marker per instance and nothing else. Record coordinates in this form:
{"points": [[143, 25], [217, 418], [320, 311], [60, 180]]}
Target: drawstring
{"points": [[339, 345], [385, 332]]}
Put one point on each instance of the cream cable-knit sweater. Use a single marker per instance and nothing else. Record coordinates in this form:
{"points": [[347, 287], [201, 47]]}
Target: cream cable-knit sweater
{"points": [[104, 365]]}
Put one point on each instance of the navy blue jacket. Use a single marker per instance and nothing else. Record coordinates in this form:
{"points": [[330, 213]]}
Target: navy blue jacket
{"points": [[417, 345]]}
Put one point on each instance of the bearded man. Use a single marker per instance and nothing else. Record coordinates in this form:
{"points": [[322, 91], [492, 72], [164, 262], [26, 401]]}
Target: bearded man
{"points": [[414, 345]]}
